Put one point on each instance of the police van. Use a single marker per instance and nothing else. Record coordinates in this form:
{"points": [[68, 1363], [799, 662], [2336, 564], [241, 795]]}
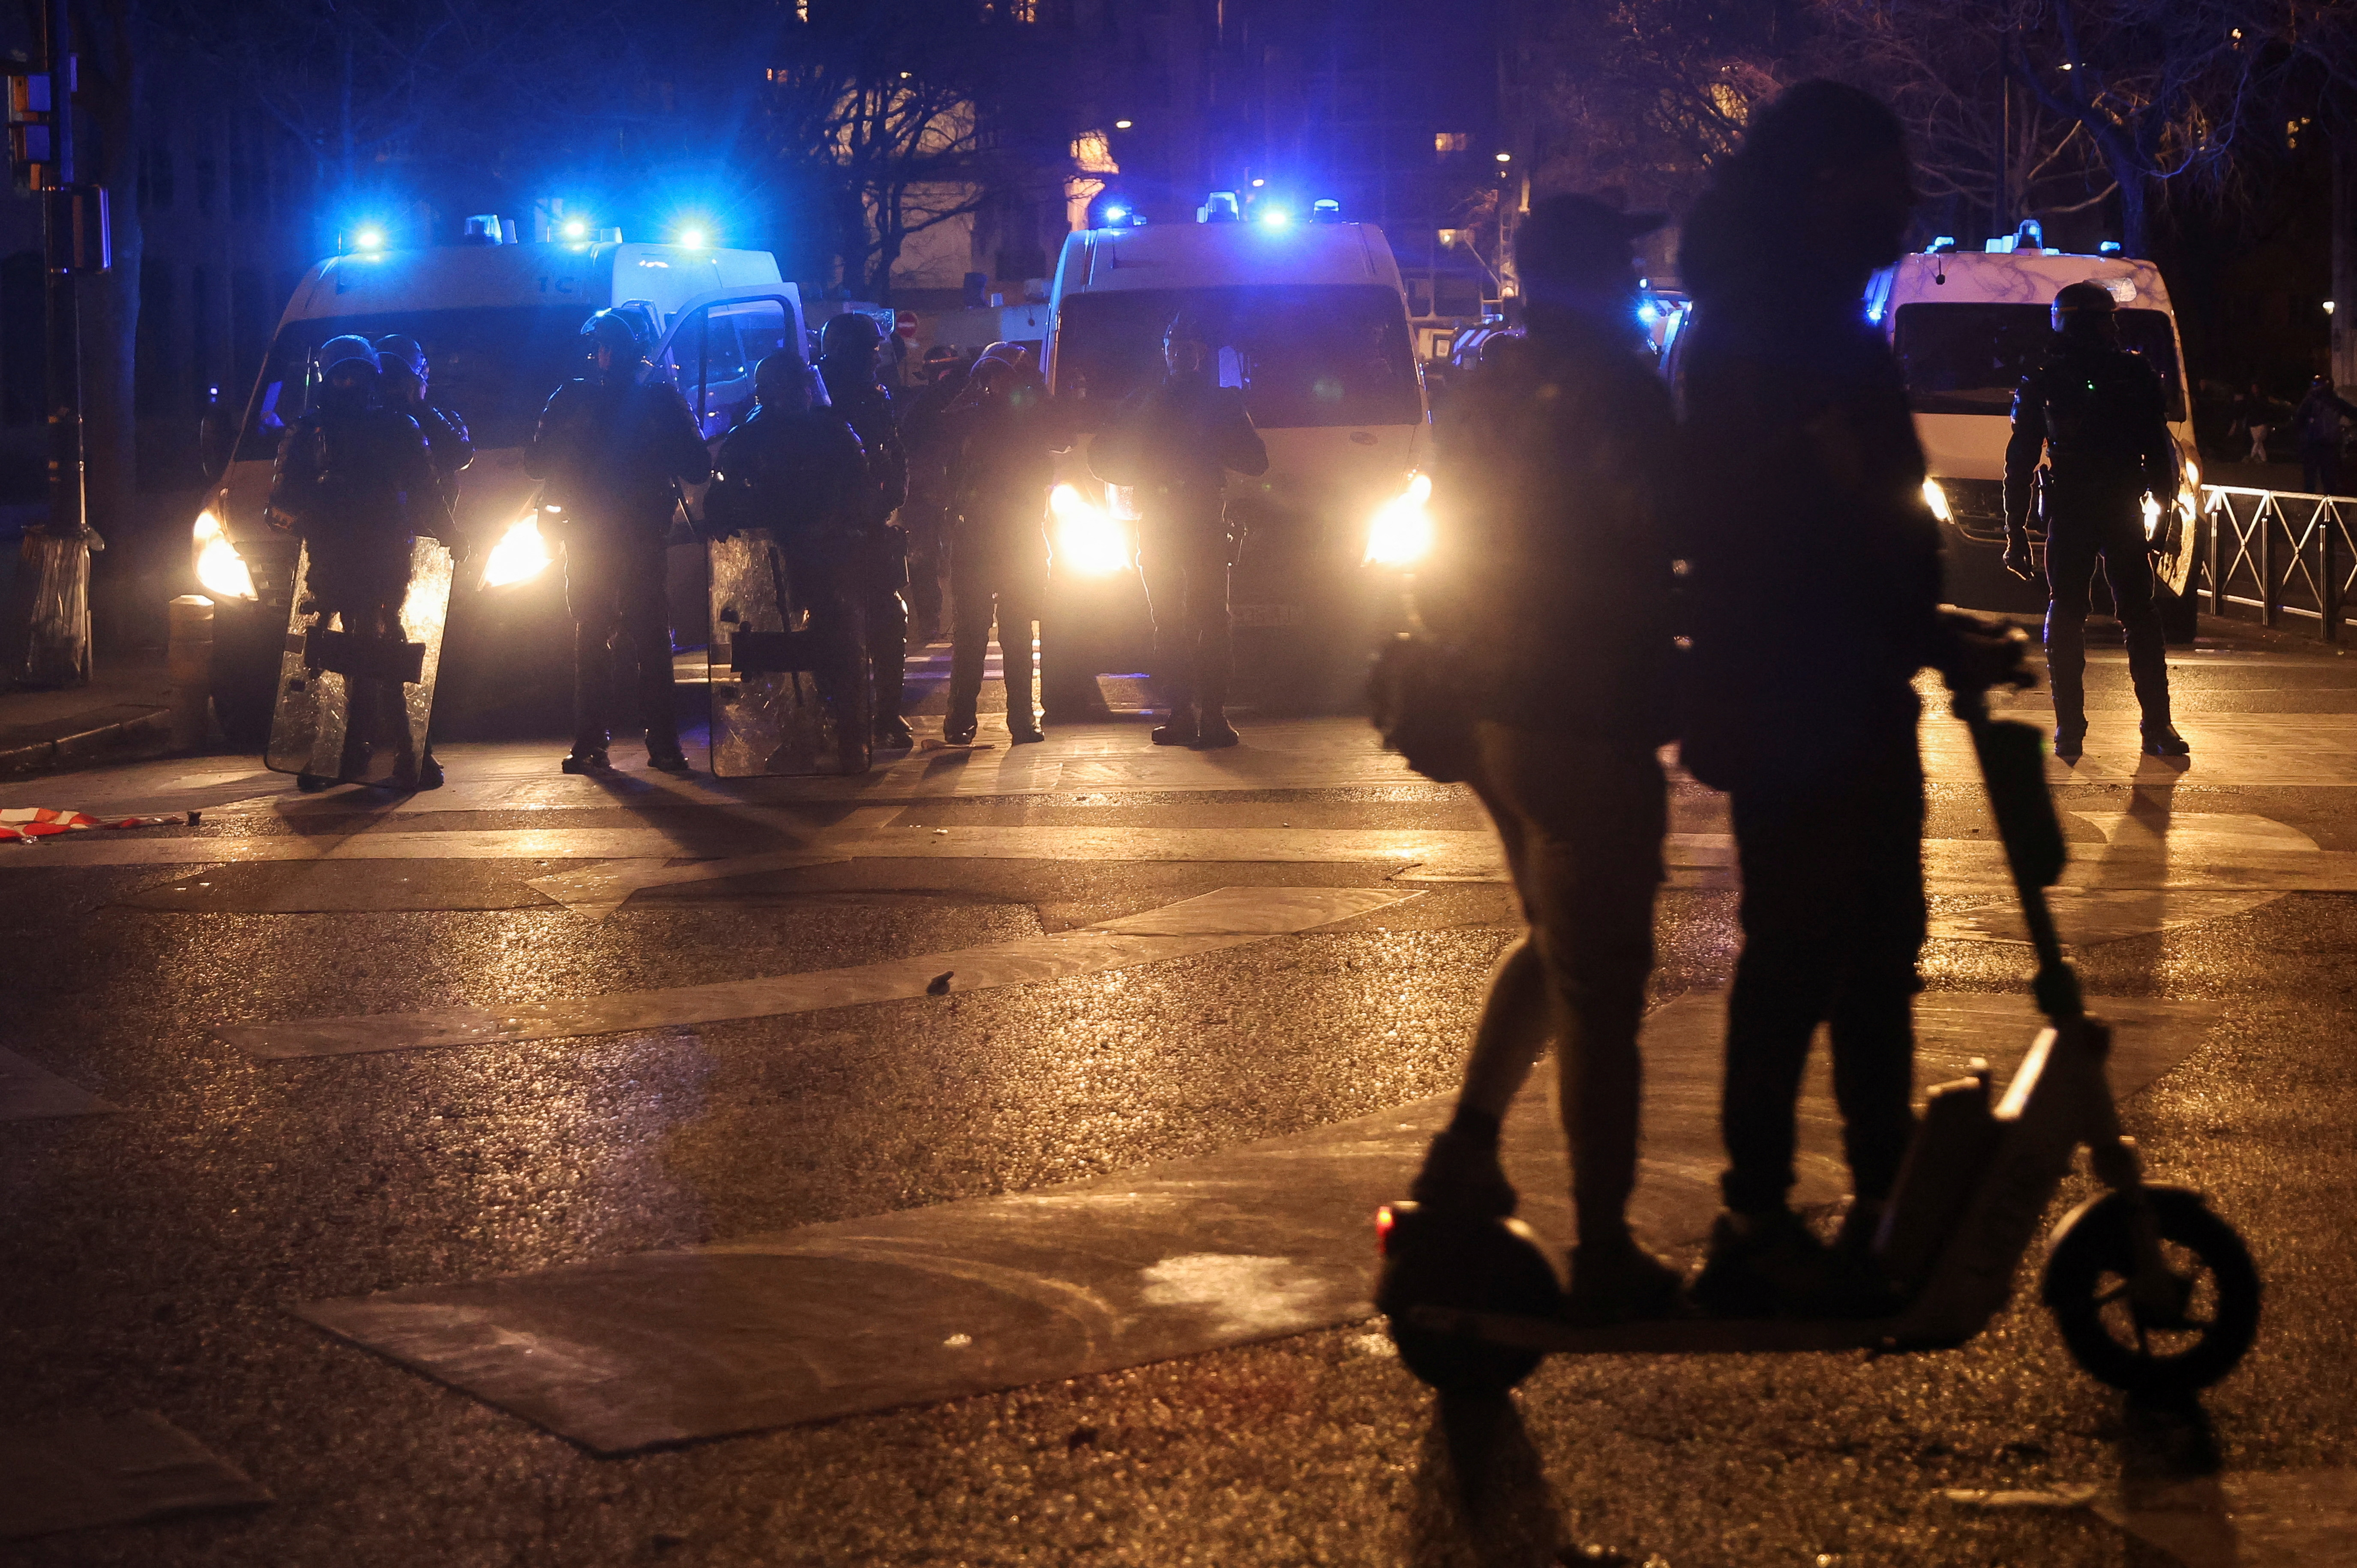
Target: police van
{"points": [[1308, 319], [500, 325], [1965, 326]]}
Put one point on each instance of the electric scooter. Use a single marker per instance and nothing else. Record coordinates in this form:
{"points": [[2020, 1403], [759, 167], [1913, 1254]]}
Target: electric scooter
{"points": [[2153, 1292]]}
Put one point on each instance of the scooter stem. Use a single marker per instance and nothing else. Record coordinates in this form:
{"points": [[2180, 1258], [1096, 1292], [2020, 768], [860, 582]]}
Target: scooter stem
{"points": [[2013, 768]]}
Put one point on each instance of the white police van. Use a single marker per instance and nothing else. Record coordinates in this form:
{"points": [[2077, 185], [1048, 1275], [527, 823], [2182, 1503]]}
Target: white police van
{"points": [[1308, 319], [1965, 326], [502, 325]]}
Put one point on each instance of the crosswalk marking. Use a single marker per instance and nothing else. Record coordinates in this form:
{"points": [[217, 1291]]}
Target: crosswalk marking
{"points": [[29, 1092], [1230, 917]]}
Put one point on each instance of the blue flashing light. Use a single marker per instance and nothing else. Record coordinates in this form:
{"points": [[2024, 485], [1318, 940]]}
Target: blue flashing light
{"points": [[576, 228], [1943, 244], [2111, 248], [1648, 313], [1277, 217], [1115, 214], [689, 239], [369, 238], [1325, 209]]}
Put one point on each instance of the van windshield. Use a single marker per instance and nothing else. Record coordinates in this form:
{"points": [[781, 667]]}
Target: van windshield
{"points": [[1304, 354], [1968, 358], [493, 366]]}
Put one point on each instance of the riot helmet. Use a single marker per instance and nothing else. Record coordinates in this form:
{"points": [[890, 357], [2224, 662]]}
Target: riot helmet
{"points": [[347, 371], [2085, 308], [407, 353], [782, 381], [616, 334], [851, 337], [1186, 345]]}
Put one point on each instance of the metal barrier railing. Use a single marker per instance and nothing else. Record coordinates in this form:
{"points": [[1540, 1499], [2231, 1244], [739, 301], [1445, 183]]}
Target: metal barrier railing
{"points": [[2282, 554]]}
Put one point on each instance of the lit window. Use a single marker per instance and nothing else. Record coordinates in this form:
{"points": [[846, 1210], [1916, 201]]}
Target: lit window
{"points": [[1452, 141]]}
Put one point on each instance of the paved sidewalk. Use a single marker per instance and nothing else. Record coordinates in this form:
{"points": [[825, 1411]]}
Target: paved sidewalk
{"points": [[126, 711]]}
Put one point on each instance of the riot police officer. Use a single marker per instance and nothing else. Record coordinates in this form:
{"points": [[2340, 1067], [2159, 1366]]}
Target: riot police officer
{"points": [[1175, 442], [795, 469], [614, 446], [924, 434], [848, 346], [401, 362], [2098, 414], [354, 480], [1007, 431]]}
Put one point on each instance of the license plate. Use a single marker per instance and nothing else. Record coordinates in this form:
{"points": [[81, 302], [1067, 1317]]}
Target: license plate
{"points": [[1265, 615]]}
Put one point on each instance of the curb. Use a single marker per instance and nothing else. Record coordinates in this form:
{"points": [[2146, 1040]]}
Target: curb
{"points": [[2234, 629], [87, 737]]}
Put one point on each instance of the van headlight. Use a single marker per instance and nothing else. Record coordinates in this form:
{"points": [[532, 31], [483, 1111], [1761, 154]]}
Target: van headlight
{"points": [[1937, 499], [521, 554], [221, 570], [1400, 533], [1089, 541]]}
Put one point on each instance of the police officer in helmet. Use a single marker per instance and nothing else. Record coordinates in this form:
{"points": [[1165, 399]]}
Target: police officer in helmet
{"points": [[848, 347], [2099, 416], [614, 446]]}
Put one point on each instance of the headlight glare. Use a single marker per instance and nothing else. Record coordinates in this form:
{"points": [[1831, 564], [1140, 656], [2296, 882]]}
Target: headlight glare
{"points": [[1401, 533], [1937, 499], [221, 570], [521, 554], [1088, 542]]}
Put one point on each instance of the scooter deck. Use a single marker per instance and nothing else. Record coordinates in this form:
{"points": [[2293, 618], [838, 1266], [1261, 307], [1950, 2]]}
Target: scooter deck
{"points": [[1670, 1336]]}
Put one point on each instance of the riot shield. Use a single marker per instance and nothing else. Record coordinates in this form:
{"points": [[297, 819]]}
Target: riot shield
{"points": [[788, 674], [353, 701]]}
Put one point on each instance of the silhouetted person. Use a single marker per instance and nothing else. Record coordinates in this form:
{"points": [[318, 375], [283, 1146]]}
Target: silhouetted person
{"points": [[406, 376], [1551, 586], [354, 482], [2318, 421], [1816, 585], [924, 516], [1177, 442], [849, 345], [1008, 432], [2099, 416], [795, 469], [614, 447]]}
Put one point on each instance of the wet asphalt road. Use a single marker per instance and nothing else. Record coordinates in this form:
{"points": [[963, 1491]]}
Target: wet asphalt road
{"points": [[151, 1256]]}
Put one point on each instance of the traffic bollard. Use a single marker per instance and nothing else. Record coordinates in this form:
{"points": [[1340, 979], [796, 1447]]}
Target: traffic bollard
{"points": [[192, 663]]}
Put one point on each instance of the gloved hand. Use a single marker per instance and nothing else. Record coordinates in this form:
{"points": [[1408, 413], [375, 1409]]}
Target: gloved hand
{"points": [[1979, 652], [2017, 555]]}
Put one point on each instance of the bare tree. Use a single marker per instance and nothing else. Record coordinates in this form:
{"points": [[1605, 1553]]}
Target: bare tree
{"points": [[918, 112]]}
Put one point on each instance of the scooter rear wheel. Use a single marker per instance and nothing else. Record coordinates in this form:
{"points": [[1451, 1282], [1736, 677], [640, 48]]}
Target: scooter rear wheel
{"points": [[1471, 1262], [2129, 1345]]}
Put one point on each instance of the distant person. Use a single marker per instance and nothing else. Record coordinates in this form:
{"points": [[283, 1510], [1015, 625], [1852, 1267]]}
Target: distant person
{"points": [[1815, 593], [354, 482], [2258, 413], [924, 436], [406, 380], [849, 345], [2099, 416], [615, 446], [1176, 441], [1550, 480], [794, 469], [1008, 432], [2318, 421]]}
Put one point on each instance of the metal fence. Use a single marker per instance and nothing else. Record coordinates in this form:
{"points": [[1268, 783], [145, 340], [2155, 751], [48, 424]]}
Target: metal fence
{"points": [[2282, 556]]}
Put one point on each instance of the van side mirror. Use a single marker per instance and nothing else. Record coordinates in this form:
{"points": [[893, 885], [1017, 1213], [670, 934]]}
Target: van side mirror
{"points": [[216, 435]]}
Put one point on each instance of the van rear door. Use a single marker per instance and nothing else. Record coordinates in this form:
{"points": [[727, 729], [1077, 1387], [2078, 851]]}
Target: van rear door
{"points": [[716, 342]]}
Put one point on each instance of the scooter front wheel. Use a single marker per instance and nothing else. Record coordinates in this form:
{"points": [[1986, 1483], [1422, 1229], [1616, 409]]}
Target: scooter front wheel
{"points": [[2172, 1347], [1469, 1263]]}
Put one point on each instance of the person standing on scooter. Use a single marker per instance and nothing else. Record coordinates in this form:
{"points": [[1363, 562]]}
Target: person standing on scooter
{"points": [[1552, 592], [848, 347], [1175, 442], [614, 447], [1814, 595], [1008, 433], [2099, 417]]}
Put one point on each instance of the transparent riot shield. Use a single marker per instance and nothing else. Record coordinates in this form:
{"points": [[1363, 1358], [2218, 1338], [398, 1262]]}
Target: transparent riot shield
{"points": [[353, 701], [788, 680]]}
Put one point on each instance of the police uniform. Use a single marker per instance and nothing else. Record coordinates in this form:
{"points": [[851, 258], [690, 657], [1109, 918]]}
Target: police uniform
{"points": [[1005, 440], [881, 568], [2100, 417]]}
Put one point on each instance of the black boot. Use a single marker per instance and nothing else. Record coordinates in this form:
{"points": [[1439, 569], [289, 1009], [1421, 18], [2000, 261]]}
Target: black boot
{"points": [[1179, 730], [1212, 730]]}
